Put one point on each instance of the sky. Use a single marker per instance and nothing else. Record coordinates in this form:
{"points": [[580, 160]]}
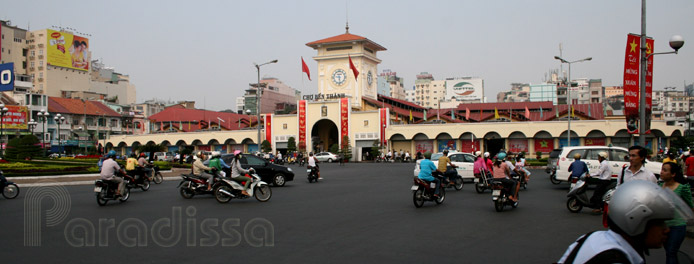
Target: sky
{"points": [[205, 51]]}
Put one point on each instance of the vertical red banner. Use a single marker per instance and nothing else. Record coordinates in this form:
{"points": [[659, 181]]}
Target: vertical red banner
{"points": [[302, 123], [344, 118], [631, 83], [649, 84], [268, 128], [383, 125]]}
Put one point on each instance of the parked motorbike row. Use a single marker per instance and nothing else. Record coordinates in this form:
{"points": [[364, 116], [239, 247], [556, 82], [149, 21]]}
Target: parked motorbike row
{"points": [[107, 190]]}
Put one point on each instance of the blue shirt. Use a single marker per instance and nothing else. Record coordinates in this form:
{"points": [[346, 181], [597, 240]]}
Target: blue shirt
{"points": [[426, 167], [577, 168]]}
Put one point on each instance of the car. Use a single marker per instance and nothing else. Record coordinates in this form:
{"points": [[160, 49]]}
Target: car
{"points": [[268, 172], [618, 157], [163, 156], [552, 160], [325, 157], [464, 161], [54, 156]]}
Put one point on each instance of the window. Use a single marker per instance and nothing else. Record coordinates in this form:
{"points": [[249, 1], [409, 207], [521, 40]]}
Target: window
{"points": [[284, 126], [619, 155], [574, 152], [40, 52], [592, 154], [366, 123], [252, 160], [32, 64], [340, 48]]}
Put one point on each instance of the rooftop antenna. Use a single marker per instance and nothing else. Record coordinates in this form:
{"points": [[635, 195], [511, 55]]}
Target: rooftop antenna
{"points": [[346, 18]]}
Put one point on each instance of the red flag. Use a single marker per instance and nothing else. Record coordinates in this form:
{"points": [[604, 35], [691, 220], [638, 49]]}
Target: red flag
{"points": [[304, 68], [527, 113], [467, 113], [354, 69]]}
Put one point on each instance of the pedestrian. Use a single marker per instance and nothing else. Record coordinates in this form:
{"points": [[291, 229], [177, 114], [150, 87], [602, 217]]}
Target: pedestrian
{"points": [[341, 157], [636, 169], [673, 180], [689, 164]]}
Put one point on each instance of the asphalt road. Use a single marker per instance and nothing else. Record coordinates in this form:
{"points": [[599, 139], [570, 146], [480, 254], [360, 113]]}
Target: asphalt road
{"points": [[360, 213]]}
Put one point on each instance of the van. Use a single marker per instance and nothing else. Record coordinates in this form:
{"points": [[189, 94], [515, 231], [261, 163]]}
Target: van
{"points": [[618, 157], [163, 156]]}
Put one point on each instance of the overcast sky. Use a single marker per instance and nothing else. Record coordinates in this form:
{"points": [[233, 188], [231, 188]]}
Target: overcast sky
{"points": [[204, 50]]}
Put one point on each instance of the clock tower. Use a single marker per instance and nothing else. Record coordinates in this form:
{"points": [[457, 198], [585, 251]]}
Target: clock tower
{"points": [[334, 73]]}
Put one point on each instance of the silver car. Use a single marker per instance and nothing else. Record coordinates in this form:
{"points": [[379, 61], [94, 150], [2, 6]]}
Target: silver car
{"points": [[325, 156]]}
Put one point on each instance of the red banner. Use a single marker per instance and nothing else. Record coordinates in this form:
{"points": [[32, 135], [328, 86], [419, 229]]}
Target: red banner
{"points": [[469, 146], [631, 83], [344, 118], [544, 145], [268, 128], [649, 84], [302, 124], [16, 117], [595, 142], [517, 145], [383, 124]]}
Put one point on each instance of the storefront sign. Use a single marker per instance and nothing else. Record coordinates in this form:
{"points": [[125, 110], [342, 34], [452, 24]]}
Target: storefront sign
{"points": [[319, 97], [344, 118], [446, 144], [595, 142], [424, 146], [544, 145], [302, 123]]}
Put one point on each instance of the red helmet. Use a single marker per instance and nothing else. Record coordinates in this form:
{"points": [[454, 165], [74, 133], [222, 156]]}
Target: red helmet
{"points": [[142, 154]]}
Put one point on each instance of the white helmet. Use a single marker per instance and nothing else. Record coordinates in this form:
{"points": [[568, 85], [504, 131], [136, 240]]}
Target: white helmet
{"points": [[686, 153], [478, 153], [636, 202], [486, 154], [603, 154]]}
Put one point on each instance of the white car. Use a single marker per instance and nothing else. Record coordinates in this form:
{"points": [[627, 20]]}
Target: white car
{"points": [[325, 156], [464, 161], [618, 157]]}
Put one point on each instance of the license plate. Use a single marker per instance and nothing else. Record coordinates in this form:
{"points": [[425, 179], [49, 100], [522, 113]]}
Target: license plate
{"points": [[414, 187], [309, 171], [477, 180], [97, 189], [496, 192]]}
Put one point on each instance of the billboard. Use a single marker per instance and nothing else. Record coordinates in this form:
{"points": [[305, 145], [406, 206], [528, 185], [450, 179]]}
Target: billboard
{"points": [[465, 88], [6, 77], [16, 117], [67, 50]]}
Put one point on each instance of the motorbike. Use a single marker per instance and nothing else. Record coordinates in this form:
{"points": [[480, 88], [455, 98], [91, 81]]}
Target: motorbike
{"points": [[192, 185], [500, 196], [137, 179], [424, 191], [107, 191], [302, 161], [482, 182], [458, 182], [578, 195], [227, 189], [312, 174], [520, 177], [10, 190], [156, 174]]}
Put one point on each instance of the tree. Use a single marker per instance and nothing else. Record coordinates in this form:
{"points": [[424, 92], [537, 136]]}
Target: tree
{"points": [[346, 148], [26, 146], [375, 152], [334, 148], [291, 144], [266, 147]]}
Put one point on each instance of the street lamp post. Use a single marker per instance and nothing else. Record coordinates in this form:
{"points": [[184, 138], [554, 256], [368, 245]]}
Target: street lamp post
{"points": [[59, 120], [568, 94], [258, 91], [43, 118], [3, 111]]}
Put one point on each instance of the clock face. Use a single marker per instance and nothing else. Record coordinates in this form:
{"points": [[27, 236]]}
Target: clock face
{"points": [[339, 77], [369, 78]]}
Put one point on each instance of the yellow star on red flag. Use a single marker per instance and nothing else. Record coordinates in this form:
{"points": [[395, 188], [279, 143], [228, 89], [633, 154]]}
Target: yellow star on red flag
{"points": [[633, 45]]}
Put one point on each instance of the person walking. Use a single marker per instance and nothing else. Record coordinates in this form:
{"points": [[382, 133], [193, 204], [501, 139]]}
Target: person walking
{"points": [[673, 180]]}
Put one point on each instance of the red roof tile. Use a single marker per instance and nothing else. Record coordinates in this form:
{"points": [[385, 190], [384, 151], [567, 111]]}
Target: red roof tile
{"points": [[345, 38], [77, 106], [175, 115]]}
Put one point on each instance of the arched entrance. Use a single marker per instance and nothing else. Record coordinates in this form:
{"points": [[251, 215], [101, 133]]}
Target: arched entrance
{"points": [[323, 135]]}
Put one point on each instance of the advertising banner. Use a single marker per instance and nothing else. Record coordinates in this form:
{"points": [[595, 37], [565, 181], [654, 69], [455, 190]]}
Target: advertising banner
{"points": [[465, 88], [595, 142], [424, 146], [631, 83], [470, 146], [574, 142], [649, 84], [446, 144], [344, 118], [517, 145], [383, 124], [268, 128], [544, 145], [302, 124], [16, 117], [67, 50], [6, 77]]}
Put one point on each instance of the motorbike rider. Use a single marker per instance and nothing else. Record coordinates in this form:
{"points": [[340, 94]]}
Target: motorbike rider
{"points": [[578, 167], [238, 172], [604, 175], [199, 170], [520, 165], [142, 164], [636, 169], [488, 161], [131, 165], [217, 162], [502, 172], [426, 170], [111, 172], [636, 222], [479, 168], [443, 169], [312, 163]]}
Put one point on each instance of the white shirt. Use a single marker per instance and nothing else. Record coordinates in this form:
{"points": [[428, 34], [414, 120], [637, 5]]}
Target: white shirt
{"points": [[279, 155], [407, 154], [604, 173], [601, 241], [641, 174], [312, 161]]}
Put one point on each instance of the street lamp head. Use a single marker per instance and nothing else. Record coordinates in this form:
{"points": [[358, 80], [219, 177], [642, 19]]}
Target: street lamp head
{"points": [[676, 42], [589, 58], [275, 61], [560, 59]]}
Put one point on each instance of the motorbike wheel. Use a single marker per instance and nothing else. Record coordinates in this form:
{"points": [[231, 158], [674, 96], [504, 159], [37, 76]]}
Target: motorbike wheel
{"points": [[10, 191], [442, 196], [553, 178], [145, 186], [499, 205], [478, 188], [262, 193], [220, 196], [279, 180], [458, 183], [158, 178], [418, 197], [100, 197], [573, 205], [186, 192], [125, 196]]}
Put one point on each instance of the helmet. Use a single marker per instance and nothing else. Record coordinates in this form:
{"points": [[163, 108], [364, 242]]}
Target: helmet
{"points": [[486, 154], [310, 153], [478, 153], [577, 156], [217, 155], [501, 155], [200, 154], [142, 154], [636, 202], [111, 154], [237, 152], [602, 154]]}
